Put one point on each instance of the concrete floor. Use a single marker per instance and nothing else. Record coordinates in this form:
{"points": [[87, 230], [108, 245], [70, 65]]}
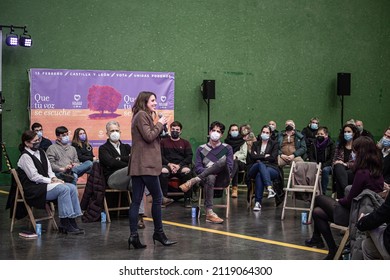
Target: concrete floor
{"points": [[245, 235]]}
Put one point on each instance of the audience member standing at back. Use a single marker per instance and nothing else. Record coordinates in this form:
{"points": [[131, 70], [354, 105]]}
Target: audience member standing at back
{"points": [[384, 145], [240, 151], [343, 159], [361, 131], [292, 145]]}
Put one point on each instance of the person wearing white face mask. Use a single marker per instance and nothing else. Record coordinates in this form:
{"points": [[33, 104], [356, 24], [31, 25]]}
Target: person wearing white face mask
{"points": [[238, 144], [310, 132], [214, 165], [361, 131], [343, 160], [264, 165], [114, 159], [44, 143], [274, 131], [292, 145], [63, 157]]}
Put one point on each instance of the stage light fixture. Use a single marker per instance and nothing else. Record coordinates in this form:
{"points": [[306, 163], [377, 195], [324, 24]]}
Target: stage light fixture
{"points": [[25, 39], [12, 39]]}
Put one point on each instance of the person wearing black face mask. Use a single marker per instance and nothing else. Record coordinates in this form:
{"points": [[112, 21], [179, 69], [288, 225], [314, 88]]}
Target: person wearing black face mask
{"points": [[322, 150], [176, 156]]}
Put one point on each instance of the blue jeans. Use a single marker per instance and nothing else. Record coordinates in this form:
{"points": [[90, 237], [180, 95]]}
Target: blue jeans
{"points": [[67, 198], [139, 183], [326, 171], [263, 176]]}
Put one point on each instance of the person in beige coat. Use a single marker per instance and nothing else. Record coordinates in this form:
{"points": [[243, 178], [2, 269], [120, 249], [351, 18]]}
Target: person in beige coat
{"points": [[145, 166]]}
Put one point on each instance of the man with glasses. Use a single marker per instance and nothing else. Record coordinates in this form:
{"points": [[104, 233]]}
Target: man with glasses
{"points": [[63, 158], [176, 154], [214, 165], [44, 142]]}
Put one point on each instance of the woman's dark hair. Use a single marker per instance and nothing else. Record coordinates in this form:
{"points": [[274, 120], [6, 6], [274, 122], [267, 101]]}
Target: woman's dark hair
{"points": [[368, 156], [141, 102], [341, 140], [266, 126], [230, 126], [28, 135], [217, 124], [76, 138]]}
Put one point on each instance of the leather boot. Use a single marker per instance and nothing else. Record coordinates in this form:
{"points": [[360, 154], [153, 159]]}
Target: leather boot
{"points": [[67, 228], [162, 238], [74, 224]]}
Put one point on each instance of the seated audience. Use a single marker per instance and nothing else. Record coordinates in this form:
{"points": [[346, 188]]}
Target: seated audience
{"points": [[83, 147], [343, 159], [384, 145], [40, 184], [368, 175], [263, 167], [63, 157], [44, 143], [322, 151], [235, 140], [361, 131], [213, 166], [292, 145], [376, 245], [275, 132], [114, 159], [176, 154], [310, 132]]}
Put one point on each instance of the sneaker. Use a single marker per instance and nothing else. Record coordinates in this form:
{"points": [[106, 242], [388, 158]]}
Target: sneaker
{"points": [[166, 201], [188, 185], [257, 206], [313, 242], [187, 203], [211, 217], [271, 192]]}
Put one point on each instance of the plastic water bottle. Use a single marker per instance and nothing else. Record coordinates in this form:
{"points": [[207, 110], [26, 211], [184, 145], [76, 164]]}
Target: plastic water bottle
{"points": [[304, 218], [103, 217]]}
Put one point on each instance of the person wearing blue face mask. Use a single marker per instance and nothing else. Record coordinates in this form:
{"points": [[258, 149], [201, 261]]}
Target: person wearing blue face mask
{"points": [[44, 143], [63, 158], [239, 146], [83, 147], [384, 145], [264, 165], [310, 132], [343, 159]]}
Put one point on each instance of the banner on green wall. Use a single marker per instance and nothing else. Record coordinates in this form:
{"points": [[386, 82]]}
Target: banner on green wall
{"points": [[90, 98]]}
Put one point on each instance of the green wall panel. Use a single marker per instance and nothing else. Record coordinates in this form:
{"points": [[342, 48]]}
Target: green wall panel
{"points": [[275, 59]]}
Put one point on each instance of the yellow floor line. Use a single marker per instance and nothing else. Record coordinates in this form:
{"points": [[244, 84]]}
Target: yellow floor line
{"points": [[257, 239]]}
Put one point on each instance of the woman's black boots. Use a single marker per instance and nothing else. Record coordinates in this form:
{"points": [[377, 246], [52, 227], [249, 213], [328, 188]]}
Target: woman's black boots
{"points": [[67, 228], [162, 238], [134, 240]]}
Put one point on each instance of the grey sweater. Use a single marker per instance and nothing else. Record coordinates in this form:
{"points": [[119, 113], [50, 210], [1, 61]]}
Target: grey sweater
{"points": [[61, 155]]}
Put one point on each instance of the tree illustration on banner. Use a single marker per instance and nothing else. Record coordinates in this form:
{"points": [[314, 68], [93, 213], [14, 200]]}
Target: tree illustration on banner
{"points": [[103, 99]]}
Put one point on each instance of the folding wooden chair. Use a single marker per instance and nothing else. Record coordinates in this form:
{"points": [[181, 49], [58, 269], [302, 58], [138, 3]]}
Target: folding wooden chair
{"points": [[225, 205], [303, 180], [19, 198], [344, 240], [119, 206]]}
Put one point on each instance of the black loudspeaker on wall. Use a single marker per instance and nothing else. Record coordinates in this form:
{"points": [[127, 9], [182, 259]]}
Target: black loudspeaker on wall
{"points": [[208, 89], [343, 83]]}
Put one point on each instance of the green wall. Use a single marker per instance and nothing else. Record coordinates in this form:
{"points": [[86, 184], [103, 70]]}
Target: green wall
{"points": [[274, 59]]}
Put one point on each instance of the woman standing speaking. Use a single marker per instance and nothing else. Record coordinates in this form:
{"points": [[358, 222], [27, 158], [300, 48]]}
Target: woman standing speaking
{"points": [[145, 166]]}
